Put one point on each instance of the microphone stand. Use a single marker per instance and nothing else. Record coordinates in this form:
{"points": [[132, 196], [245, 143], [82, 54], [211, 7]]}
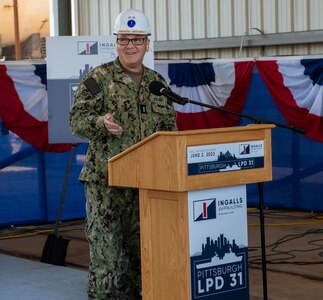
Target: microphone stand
{"points": [[183, 101]]}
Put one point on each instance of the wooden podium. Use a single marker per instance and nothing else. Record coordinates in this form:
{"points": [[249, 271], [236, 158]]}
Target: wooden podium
{"points": [[166, 167]]}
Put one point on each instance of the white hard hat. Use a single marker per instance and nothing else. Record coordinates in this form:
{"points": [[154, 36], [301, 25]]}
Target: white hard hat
{"points": [[132, 21]]}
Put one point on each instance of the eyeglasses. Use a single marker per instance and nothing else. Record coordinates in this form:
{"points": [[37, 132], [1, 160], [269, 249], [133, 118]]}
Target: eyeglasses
{"points": [[135, 41]]}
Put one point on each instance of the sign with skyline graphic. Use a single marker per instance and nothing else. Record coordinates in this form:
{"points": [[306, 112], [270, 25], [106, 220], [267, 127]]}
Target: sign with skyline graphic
{"points": [[218, 239], [69, 58], [215, 158]]}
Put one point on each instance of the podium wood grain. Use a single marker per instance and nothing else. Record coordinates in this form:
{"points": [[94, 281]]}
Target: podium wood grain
{"points": [[164, 245]]}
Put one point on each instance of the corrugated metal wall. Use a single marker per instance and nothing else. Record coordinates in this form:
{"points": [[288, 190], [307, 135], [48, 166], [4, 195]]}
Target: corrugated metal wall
{"points": [[197, 20]]}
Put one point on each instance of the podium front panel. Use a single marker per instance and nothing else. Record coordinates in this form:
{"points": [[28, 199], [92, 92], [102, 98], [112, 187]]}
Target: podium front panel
{"points": [[164, 245]]}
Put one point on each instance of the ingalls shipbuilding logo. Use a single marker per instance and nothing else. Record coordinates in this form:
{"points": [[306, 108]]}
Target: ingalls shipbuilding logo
{"points": [[87, 48], [244, 149], [204, 209]]}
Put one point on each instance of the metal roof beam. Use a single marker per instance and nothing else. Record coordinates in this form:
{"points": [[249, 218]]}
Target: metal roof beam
{"points": [[288, 38]]}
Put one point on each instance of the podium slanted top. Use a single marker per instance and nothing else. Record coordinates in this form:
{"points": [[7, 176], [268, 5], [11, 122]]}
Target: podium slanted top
{"points": [[195, 159]]}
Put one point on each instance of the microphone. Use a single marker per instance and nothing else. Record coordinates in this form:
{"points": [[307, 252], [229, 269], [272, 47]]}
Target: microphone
{"points": [[158, 89]]}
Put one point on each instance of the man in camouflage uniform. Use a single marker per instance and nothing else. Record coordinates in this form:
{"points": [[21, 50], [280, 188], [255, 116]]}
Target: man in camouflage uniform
{"points": [[114, 109]]}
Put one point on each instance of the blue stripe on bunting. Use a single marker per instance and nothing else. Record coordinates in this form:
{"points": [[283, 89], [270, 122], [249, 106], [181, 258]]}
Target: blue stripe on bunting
{"points": [[314, 69], [41, 72], [191, 75]]}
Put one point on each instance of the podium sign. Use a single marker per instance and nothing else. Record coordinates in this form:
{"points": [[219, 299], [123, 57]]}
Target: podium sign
{"points": [[218, 243], [225, 157]]}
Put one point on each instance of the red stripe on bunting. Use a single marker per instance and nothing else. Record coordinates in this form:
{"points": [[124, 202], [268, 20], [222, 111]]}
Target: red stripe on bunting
{"points": [[293, 114], [216, 119], [20, 122]]}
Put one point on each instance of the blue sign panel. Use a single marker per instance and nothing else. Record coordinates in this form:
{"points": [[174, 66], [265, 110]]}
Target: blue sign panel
{"points": [[218, 243]]}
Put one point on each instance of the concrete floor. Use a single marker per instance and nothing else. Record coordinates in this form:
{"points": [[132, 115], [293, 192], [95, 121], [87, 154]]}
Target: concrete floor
{"points": [[294, 251], [294, 248], [24, 279]]}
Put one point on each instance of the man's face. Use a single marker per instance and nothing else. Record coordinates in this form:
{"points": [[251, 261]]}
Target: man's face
{"points": [[132, 54]]}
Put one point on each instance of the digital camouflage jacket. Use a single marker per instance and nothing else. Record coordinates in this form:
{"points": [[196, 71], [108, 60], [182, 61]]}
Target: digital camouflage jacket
{"points": [[108, 89]]}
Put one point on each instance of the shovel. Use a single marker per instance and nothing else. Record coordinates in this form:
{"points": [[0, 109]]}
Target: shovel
{"points": [[55, 248]]}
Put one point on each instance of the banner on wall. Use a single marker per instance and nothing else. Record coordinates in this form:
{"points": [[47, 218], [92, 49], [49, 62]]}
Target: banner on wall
{"points": [[68, 60], [24, 103], [220, 83], [296, 86]]}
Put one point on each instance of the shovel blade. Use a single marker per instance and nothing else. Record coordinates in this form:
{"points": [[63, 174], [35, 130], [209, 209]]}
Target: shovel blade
{"points": [[54, 251]]}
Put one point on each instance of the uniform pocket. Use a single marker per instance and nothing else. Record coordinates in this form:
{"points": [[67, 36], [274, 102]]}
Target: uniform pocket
{"points": [[160, 107]]}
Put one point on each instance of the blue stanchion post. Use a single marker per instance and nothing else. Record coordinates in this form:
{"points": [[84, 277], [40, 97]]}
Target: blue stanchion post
{"points": [[42, 186], [296, 169]]}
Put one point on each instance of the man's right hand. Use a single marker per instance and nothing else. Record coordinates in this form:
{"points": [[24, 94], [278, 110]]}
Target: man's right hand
{"points": [[111, 126]]}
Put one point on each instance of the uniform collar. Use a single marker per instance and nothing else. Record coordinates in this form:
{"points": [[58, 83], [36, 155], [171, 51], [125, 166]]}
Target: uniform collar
{"points": [[120, 74]]}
